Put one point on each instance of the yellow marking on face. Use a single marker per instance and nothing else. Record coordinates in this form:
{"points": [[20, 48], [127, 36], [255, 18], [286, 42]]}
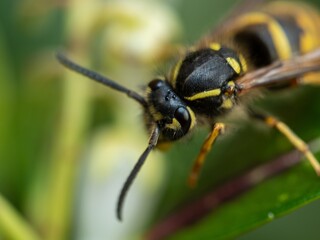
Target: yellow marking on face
{"points": [[175, 72], [174, 125], [227, 103], [205, 94], [243, 63], [234, 64], [147, 91], [157, 116], [279, 38], [215, 46], [193, 118]]}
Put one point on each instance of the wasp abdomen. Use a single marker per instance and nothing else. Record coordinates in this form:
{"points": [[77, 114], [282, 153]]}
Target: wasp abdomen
{"points": [[278, 32]]}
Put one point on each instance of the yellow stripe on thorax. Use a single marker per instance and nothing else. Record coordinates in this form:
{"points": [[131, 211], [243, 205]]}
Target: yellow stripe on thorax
{"points": [[278, 36], [174, 73], [234, 64], [204, 94]]}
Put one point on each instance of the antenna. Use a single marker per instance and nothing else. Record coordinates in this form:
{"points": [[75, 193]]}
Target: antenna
{"points": [[99, 78], [152, 143]]}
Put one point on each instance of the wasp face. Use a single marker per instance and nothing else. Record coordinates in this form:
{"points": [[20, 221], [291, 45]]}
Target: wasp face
{"points": [[173, 117]]}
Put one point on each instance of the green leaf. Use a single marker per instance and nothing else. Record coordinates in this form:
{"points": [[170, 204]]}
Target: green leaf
{"points": [[271, 199]]}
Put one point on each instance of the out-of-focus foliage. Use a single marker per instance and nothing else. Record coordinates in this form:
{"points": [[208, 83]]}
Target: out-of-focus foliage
{"points": [[270, 200], [53, 121], [67, 144]]}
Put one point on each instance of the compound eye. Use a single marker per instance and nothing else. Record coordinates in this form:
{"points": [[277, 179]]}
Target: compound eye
{"points": [[155, 84], [183, 117]]}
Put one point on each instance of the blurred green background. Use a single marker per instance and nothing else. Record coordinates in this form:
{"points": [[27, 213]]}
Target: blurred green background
{"points": [[67, 144]]}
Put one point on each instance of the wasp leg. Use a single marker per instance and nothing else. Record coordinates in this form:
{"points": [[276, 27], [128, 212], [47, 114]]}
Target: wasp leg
{"points": [[217, 129], [297, 142]]}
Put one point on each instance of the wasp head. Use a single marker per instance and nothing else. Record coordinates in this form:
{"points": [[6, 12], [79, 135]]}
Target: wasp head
{"points": [[171, 114]]}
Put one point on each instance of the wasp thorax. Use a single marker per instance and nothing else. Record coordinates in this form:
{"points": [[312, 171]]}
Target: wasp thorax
{"points": [[205, 79], [173, 117]]}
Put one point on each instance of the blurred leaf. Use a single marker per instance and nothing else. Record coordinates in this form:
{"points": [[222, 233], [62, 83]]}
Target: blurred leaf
{"points": [[269, 200], [7, 116], [13, 225]]}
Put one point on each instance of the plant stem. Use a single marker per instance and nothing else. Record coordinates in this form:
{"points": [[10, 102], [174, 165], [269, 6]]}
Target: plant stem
{"points": [[12, 223]]}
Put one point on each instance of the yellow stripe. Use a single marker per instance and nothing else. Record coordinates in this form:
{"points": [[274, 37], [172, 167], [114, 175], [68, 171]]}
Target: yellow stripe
{"points": [[157, 116], [234, 64], [175, 72], [310, 33], [231, 83], [243, 63], [205, 94], [193, 118], [175, 125], [215, 46], [306, 17], [278, 36], [227, 103]]}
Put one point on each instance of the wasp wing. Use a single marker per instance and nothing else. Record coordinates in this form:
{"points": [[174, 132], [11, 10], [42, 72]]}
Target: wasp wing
{"points": [[281, 72]]}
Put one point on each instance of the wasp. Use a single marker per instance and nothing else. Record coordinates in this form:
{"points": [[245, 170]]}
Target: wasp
{"points": [[269, 46]]}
